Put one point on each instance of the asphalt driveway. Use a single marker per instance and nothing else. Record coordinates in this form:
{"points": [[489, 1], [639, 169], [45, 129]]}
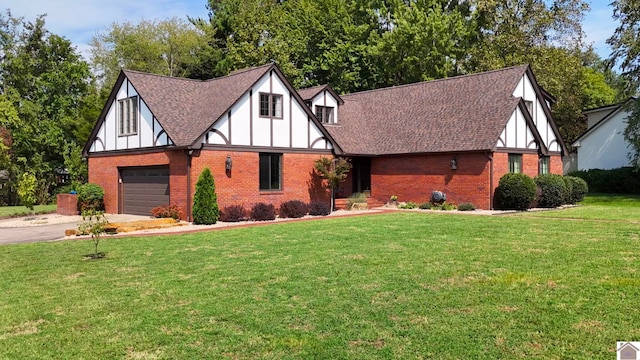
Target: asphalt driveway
{"points": [[47, 227]]}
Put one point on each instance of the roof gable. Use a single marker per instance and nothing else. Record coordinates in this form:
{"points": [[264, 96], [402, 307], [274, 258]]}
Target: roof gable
{"points": [[465, 113]]}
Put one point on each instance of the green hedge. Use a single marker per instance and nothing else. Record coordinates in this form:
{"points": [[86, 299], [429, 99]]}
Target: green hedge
{"points": [[553, 190], [615, 181], [515, 192]]}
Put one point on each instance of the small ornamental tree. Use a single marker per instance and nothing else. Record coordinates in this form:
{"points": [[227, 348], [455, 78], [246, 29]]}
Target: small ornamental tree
{"points": [[205, 203], [334, 171], [27, 188]]}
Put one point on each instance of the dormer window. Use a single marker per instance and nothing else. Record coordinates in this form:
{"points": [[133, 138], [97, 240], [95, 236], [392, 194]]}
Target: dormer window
{"points": [[128, 116], [271, 105], [324, 114]]}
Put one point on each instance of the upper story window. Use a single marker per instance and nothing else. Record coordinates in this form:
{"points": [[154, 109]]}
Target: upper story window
{"points": [[515, 163], [270, 171], [529, 105], [324, 114], [543, 168], [128, 116], [271, 105]]}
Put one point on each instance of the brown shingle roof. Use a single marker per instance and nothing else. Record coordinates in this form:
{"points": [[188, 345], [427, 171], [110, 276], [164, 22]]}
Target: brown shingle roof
{"points": [[186, 108], [464, 113]]}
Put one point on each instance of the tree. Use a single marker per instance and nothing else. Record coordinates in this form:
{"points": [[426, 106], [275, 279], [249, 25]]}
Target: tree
{"points": [[625, 44], [165, 47], [27, 190], [334, 171], [205, 204]]}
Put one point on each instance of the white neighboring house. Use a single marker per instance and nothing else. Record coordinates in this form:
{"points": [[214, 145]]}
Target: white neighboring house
{"points": [[603, 145]]}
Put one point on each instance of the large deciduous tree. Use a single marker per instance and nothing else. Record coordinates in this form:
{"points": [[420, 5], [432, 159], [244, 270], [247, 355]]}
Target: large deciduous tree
{"points": [[167, 47], [625, 43]]}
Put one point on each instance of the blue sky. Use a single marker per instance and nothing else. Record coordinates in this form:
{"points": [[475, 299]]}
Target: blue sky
{"points": [[79, 20]]}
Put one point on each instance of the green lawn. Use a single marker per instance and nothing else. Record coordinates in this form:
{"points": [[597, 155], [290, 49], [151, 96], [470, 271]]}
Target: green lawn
{"points": [[12, 211], [401, 285]]}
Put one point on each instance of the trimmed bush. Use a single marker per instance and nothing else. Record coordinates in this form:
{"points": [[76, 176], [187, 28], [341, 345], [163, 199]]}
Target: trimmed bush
{"points": [[263, 212], [552, 189], [515, 192], [466, 207], [233, 213], [579, 189], [319, 208], [293, 209], [623, 180], [568, 190], [408, 205], [90, 197], [205, 203], [166, 211], [425, 206]]}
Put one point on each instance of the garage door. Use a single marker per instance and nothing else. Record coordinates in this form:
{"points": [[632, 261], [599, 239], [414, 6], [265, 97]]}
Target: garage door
{"points": [[144, 188]]}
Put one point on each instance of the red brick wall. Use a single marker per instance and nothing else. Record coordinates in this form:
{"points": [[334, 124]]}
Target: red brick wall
{"points": [[104, 172], [67, 204], [242, 187], [414, 177]]}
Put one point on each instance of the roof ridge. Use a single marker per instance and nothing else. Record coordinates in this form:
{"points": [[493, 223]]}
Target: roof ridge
{"points": [[239, 71], [434, 80], [160, 75]]}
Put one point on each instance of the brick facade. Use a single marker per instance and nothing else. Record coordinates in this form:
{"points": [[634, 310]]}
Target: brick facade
{"points": [[414, 177], [239, 187]]}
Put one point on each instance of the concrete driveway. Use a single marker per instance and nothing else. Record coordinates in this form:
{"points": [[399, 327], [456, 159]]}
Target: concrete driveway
{"points": [[47, 227]]}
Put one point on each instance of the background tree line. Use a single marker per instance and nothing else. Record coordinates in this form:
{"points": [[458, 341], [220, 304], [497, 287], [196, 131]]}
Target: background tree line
{"points": [[51, 97]]}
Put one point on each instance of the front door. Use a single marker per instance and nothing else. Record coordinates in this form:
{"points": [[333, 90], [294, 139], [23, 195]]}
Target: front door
{"points": [[361, 171]]}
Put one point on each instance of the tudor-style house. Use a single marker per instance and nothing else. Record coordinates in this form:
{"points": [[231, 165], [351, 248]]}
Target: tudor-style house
{"points": [[260, 138]]}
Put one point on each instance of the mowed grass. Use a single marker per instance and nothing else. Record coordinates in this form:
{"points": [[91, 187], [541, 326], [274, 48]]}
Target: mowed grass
{"points": [[11, 211], [402, 285]]}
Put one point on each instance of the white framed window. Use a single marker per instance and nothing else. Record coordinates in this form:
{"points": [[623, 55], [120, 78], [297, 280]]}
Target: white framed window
{"points": [[324, 114], [271, 105], [515, 163], [544, 165], [128, 116]]}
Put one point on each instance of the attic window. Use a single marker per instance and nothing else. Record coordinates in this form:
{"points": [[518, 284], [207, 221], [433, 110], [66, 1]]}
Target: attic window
{"points": [[128, 116], [529, 105], [324, 114], [271, 105]]}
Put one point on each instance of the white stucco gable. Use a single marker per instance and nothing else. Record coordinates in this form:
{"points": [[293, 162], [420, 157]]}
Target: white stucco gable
{"points": [[287, 124], [517, 134], [603, 145], [142, 129], [538, 108]]}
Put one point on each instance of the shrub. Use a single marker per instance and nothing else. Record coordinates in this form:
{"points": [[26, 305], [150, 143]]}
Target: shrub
{"points": [[445, 206], [167, 211], [466, 207], [617, 181], [90, 197], [233, 213], [356, 198], [263, 212], [27, 186], [205, 204], [552, 189], [568, 190], [579, 189], [293, 209], [319, 208], [515, 192], [408, 205], [425, 206]]}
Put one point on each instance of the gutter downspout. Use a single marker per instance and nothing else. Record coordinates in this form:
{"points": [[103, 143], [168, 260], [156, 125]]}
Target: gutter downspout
{"points": [[189, 153], [490, 181]]}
